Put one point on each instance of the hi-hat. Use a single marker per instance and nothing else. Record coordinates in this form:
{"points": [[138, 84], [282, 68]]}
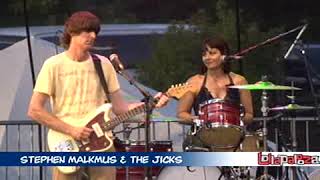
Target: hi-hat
{"points": [[291, 107], [264, 85]]}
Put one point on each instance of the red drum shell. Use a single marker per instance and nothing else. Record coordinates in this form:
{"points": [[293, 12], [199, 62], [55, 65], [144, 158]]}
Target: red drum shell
{"points": [[137, 173], [220, 128], [220, 113], [139, 146]]}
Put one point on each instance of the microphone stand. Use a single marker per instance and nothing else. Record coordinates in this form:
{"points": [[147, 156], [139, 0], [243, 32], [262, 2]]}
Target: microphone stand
{"points": [[149, 105], [295, 41], [268, 41], [307, 66], [296, 170]]}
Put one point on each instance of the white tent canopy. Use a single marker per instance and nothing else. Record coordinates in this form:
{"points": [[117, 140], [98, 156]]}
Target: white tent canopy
{"points": [[16, 80]]}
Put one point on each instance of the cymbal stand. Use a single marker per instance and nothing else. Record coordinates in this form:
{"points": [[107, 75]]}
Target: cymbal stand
{"points": [[294, 144], [149, 106], [293, 123], [126, 134], [264, 110]]}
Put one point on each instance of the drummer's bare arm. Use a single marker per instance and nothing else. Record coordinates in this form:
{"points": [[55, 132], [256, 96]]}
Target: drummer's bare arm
{"points": [[186, 101], [184, 108], [246, 101]]}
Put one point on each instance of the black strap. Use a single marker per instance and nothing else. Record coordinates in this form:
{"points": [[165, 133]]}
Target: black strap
{"points": [[98, 67], [230, 80]]}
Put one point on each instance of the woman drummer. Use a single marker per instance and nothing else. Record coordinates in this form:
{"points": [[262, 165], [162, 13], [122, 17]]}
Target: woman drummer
{"points": [[212, 84]]}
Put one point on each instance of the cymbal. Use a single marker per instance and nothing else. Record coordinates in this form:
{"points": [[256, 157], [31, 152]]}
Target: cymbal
{"points": [[292, 107], [264, 85]]}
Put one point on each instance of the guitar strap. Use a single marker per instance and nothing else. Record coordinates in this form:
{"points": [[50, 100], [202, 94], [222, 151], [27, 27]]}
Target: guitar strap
{"points": [[98, 67]]}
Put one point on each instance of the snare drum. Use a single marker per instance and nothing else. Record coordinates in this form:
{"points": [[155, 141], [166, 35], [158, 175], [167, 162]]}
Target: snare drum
{"points": [[137, 173], [220, 124]]}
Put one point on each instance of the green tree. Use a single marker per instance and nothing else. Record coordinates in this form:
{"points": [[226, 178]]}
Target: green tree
{"points": [[177, 55]]}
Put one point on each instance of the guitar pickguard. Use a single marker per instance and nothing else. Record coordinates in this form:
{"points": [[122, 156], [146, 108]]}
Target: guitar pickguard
{"points": [[98, 140]]}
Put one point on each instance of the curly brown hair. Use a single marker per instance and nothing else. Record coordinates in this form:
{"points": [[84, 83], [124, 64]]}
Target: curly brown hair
{"points": [[82, 21]]}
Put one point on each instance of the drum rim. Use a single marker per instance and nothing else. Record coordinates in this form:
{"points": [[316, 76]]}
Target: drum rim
{"points": [[217, 100], [225, 125], [142, 142]]}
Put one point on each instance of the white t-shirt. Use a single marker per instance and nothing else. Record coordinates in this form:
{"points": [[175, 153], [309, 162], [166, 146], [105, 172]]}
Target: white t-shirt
{"points": [[74, 87]]}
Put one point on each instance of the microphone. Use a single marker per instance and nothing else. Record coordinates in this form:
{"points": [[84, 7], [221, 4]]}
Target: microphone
{"points": [[231, 57], [115, 61]]}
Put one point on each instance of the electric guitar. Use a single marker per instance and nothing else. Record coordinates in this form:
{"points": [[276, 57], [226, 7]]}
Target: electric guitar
{"points": [[100, 122]]}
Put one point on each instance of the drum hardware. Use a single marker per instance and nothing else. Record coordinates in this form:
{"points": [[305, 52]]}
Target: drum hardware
{"points": [[127, 130], [126, 134], [297, 40], [226, 173], [264, 85], [137, 173], [264, 110], [129, 145], [292, 108], [149, 105], [196, 149], [219, 118], [197, 123], [150, 102], [235, 173], [190, 170], [242, 172]]}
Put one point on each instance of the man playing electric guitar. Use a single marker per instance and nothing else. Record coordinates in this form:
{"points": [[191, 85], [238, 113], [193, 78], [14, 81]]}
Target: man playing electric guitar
{"points": [[70, 81]]}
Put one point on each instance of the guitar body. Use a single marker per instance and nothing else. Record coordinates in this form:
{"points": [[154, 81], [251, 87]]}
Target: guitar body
{"points": [[99, 121], [98, 141]]}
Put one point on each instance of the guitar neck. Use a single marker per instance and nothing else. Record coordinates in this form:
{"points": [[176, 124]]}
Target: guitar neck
{"points": [[123, 117], [175, 92]]}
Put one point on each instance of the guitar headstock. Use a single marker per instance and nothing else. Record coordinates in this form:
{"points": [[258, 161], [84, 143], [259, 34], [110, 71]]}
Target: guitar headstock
{"points": [[178, 90]]}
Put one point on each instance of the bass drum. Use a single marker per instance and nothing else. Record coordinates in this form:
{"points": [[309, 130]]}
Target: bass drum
{"points": [[182, 173]]}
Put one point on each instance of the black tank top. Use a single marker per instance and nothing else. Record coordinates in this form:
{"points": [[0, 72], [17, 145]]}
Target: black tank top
{"points": [[232, 96]]}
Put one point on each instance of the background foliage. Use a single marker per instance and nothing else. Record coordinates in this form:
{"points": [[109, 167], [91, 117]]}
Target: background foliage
{"points": [[177, 55]]}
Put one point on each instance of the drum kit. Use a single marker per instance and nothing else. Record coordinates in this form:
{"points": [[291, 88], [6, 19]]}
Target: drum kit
{"points": [[219, 128]]}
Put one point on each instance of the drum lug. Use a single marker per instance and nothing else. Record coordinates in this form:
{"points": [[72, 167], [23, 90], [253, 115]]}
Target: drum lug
{"points": [[197, 123]]}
